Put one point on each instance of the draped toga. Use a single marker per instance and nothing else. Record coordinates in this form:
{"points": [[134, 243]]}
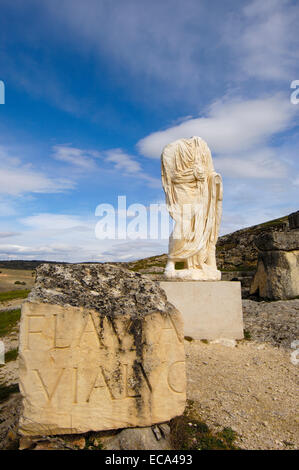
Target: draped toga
{"points": [[194, 199]]}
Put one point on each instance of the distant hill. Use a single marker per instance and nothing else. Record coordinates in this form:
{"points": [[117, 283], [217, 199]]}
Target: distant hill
{"points": [[24, 264], [235, 251]]}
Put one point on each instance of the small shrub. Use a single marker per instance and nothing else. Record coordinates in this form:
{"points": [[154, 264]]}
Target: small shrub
{"points": [[193, 434], [188, 338], [188, 432], [228, 434], [20, 283], [11, 355], [6, 390], [93, 442], [247, 335]]}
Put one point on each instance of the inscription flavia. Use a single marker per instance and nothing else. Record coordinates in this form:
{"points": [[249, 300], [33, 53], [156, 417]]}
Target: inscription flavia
{"points": [[58, 341]]}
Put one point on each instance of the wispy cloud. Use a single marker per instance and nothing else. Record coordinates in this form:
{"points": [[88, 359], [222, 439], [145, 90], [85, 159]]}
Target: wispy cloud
{"points": [[127, 165], [17, 178], [8, 234], [117, 160], [123, 161], [75, 156], [163, 35], [262, 164], [56, 222], [263, 37]]}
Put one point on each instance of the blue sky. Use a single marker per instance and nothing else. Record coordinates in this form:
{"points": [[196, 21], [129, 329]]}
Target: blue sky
{"points": [[93, 91]]}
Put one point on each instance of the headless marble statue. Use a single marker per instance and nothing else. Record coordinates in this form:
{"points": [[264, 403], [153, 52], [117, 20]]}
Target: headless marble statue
{"points": [[194, 200]]}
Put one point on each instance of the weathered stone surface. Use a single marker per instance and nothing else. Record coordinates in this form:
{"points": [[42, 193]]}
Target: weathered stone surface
{"points": [[149, 438], [285, 241], [100, 348], [237, 251], [277, 275]]}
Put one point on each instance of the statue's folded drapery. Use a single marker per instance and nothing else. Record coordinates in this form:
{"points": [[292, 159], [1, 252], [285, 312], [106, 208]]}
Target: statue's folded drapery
{"points": [[194, 199]]}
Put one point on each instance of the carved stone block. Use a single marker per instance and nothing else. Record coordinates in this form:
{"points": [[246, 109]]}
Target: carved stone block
{"points": [[84, 368]]}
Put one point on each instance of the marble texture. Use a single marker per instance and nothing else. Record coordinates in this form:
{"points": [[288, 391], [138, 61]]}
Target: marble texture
{"points": [[210, 310], [194, 194]]}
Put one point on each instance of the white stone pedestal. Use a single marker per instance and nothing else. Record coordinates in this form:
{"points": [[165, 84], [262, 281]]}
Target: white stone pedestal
{"points": [[210, 309]]}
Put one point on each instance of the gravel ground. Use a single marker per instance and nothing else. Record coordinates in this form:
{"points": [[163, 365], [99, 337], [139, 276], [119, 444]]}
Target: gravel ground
{"points": [[252, 388], [273, 322]]}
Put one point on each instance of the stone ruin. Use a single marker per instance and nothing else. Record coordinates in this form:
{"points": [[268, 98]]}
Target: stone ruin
{"points": [[277, 275], [101, 348]]}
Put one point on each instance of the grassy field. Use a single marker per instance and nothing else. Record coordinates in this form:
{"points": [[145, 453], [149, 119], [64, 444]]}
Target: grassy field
{"points": [[15, 294], [16, 279], [8, 320]]}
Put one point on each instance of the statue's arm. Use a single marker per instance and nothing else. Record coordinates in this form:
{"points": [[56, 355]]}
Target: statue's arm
{"points": [[189, 176]]}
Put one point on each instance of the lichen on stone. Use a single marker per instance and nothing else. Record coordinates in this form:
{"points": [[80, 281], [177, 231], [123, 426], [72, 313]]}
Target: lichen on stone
{"points": [[110, 290]]}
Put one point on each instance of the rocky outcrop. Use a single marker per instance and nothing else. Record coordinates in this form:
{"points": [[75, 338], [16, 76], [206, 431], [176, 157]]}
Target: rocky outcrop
{"points": [[100, 348], [237, 251], [277, 275], [294, 220]]}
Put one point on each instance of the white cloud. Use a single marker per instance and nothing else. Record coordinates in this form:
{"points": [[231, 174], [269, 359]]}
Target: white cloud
{"points": [[230, 126], [8, 234], [123, 161], [128, 166], [56, 222], [123, 164], [264, 37], [296, 181], [17, 181], [75, 156], [61, 249], [262, 164], [17, 178]]}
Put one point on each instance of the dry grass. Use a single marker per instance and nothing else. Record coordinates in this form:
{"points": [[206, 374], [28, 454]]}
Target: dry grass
{"points": [[9, 278]]}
